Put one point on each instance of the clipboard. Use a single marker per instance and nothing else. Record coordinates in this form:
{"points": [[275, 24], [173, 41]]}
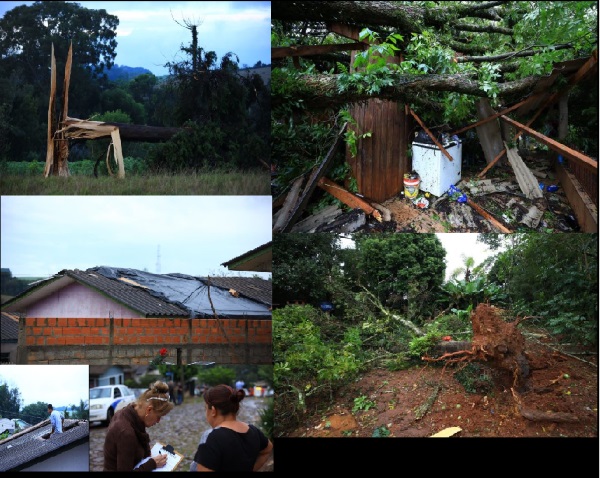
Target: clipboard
{"points": [[174, 458]]}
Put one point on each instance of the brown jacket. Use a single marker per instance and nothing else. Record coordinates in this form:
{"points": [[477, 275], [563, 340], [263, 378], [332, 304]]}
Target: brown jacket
{"points": [[127, 442]]}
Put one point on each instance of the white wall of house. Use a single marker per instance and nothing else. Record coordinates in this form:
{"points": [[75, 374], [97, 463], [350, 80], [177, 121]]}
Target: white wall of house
{"points": [[76, 300]]}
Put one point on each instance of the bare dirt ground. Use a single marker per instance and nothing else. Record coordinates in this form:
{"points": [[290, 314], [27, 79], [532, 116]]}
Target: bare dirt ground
{"points": [[564, 387]]}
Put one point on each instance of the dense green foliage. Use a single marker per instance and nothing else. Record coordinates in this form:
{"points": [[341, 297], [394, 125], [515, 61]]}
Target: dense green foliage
{"points": [[519, 41], [227, 111], [553, 279]]}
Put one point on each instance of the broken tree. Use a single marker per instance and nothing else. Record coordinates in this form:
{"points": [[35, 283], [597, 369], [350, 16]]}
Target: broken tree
{"points": [[65, 128]]}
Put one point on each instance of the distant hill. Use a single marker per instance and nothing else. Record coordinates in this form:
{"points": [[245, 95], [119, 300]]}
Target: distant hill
{"points": [[263, 71], [122, 72]]}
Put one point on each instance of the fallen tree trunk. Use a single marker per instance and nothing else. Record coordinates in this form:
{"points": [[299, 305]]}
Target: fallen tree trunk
{"points": [[323, 91], [73, 128]]}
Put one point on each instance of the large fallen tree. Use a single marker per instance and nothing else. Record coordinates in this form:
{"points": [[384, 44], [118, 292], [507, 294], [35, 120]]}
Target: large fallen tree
{"points": [[474, 32]]}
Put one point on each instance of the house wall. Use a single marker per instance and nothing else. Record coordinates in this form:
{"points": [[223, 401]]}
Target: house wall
{"points": [[9, 348], [136, 341], [77, 300]]}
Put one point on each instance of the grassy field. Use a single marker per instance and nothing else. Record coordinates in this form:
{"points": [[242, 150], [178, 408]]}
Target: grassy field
{"points": [[247, 183]]}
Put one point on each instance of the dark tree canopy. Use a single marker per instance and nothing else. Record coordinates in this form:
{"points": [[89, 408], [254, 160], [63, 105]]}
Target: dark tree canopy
{"points": [[27, 33]]}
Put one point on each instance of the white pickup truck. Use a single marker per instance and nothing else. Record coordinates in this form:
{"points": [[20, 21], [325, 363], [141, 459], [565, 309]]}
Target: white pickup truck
{"points": [[105, 400]]}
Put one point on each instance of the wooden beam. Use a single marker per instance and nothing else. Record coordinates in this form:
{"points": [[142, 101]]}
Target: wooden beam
{"points": [[348, 198], [584, 208], [311, 185], [309, 50], [489, 217], [345, 30], [431, 135], [576, 156], [494, 116]]}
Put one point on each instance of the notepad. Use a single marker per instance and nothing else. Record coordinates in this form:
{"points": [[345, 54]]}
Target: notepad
{"points": [[173, 457]]}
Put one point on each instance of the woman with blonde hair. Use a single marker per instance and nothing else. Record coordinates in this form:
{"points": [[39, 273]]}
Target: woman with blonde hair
{"points": [[230, 444], [127, 443]]}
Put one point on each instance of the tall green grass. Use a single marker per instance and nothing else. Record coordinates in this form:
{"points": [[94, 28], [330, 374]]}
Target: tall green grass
{"points": [[30, 180]]}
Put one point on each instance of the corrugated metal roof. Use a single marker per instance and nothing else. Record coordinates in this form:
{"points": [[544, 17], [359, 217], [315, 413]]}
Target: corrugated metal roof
{"points": [[23, 447]]}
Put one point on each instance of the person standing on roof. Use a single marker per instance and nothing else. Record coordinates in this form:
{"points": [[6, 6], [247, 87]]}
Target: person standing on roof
{"points": [[56, 420]]}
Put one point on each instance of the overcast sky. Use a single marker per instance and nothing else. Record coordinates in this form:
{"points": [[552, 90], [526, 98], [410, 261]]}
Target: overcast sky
{"points": [[148, 35], [42, 235], [60, 385], [460, 246]]}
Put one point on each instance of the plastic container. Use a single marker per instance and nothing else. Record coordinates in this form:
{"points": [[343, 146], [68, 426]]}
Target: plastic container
{"points": [[436, 171], [411, 187]]}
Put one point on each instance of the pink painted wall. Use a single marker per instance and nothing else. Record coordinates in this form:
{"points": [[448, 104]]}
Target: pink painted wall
{"points": [[76, 300]]}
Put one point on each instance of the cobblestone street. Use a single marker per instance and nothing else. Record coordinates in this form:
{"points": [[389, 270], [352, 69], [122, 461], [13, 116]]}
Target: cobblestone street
{"points": [[181, 428]]}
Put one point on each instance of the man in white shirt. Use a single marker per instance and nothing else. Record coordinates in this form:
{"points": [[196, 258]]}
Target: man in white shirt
{"points": [[56, 420]]}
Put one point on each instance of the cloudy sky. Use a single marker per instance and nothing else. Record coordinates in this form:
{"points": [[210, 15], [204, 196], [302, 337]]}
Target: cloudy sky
{"points": [[42, 235], [459, 246], [148, 35], [60, 385]]}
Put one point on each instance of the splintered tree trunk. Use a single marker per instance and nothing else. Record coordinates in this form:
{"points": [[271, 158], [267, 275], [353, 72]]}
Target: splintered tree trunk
{"points": [[50, 139], [57, 146]]}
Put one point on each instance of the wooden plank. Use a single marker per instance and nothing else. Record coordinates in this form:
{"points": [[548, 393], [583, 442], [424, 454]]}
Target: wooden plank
{"points": [[430, 134], [312, 183], [348, 198], [494, 116], [556, 146], [527, 181], [497, 224], [291, 200], [583, 207], [309, 50]]}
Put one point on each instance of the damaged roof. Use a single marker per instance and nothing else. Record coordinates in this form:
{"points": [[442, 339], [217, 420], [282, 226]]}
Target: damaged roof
{"points": [[31, 444], [160, 295], [259, 259]]}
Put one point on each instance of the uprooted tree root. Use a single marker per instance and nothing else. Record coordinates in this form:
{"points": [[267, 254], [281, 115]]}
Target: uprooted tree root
{"points": [[501, 344]]}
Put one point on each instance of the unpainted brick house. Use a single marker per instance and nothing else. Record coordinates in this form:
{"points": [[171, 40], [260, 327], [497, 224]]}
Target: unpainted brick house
{"points": [[106, 315]]}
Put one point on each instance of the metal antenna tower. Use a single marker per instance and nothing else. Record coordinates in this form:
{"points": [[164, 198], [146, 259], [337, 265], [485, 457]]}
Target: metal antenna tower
{"points": [[158, 259]]}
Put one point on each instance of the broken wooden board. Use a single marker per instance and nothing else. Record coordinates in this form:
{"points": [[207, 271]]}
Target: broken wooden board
{"points": [[497, 224], [345, 223], [527, 181], [446, 432], [583, 206], [348, 198], [325, 216], [282, 217], [489, 133], [317, 174]]}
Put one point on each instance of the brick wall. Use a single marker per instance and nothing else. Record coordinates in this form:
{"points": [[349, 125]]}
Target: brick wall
{"points": [[105, 341]]}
